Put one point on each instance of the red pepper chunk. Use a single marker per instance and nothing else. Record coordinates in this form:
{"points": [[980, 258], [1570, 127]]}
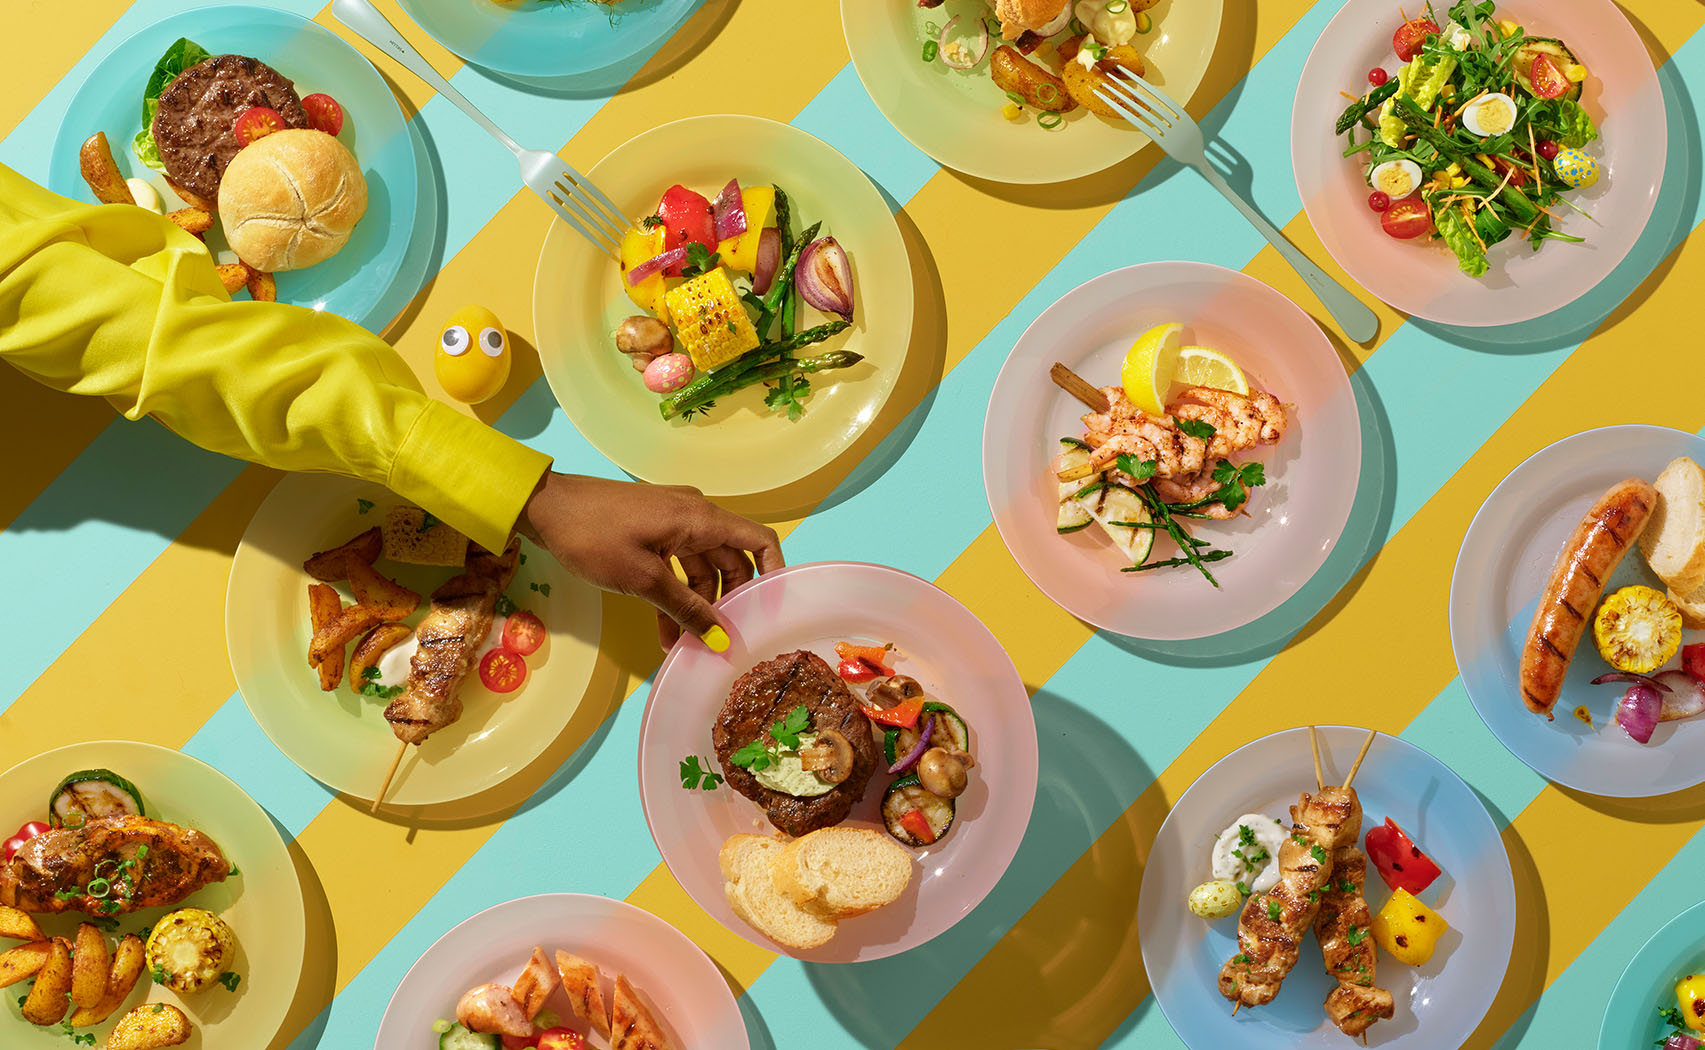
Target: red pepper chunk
{"points": [[918, 826], [11, 846], [1400, 862], [903, 714]]}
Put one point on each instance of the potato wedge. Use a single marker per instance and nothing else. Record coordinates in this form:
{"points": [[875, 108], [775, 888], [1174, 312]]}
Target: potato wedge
{"points": [[329, 566], [263, 288], [18, 926], [390, 599], [101, 172], [1081, 82], [23, 962], [1038, 88], [337, 634], [379, 641], [89, 967], [324, 605], [234, 275], [47, 1001], [149, 1027], [121, 979], [192, 220]]}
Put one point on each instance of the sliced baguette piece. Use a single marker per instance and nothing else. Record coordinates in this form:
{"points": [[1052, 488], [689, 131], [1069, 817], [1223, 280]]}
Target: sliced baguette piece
{"points": [[1674, 538], [748, 868], [411, 539], [584, 984], [632, 1026], [1692, 606], [844, 871]]}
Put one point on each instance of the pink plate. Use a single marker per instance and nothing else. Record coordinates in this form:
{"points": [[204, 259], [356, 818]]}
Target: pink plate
{"points": [[943, 646], [1293, 520], [1622, 96], [679, 984]]}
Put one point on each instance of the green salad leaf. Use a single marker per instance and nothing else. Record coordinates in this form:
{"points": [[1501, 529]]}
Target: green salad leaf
{"points": [[1562, 120], [1455, 232], [179, 57]]}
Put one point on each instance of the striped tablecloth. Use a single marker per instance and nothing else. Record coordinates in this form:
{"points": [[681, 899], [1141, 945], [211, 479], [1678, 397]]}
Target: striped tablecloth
{"points": [[119, 538]]}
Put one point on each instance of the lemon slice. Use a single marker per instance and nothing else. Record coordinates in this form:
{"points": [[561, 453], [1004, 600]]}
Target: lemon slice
{"points": [[1149, 366], [1202, 366]]}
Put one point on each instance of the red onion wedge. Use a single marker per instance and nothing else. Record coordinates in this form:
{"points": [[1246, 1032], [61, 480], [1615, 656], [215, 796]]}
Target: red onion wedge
{"points": [[769, 260], [1687, 700], [824, 278], [912, 756], [1677, 1041], [1637, 712], [973, 53], [657, 264], [1631, 677], [728, 212]]}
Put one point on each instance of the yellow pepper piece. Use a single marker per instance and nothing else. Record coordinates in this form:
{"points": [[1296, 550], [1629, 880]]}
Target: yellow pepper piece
{"points": [[637, 247], [1012, 111], [741, 253], [1507, 27], [1637, 629], [1690, 997], [1407, 929], [1576, 73]]}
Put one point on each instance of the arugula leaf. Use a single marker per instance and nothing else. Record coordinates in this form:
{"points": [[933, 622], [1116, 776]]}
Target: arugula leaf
{"points": [[1196, 428], [183, 54], [1141, 470]]}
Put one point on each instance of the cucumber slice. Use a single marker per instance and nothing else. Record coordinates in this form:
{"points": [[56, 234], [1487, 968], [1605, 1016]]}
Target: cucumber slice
{"points": [[1067, 444], [1108, 502], [1072, 515], [459, 1038], [91, 794], [907, 795]]}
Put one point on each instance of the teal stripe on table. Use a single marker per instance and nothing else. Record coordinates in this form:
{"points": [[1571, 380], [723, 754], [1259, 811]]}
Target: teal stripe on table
{"points": [[233, 743], [843, 116]]}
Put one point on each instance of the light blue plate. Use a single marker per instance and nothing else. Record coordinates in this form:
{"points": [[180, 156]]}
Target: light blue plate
{"points": [[1648, 984], [1438, 1005], [353, 282], [549, 38], [1502, 569]]}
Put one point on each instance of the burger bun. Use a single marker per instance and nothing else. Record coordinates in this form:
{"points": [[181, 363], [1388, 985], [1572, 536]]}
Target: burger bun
{"points": [[291, 200]]}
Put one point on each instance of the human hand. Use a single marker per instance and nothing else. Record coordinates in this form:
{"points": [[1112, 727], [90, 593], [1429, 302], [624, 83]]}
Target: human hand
{"points": [[620, 535]]}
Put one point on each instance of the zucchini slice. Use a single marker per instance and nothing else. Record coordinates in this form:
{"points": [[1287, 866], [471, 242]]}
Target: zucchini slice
{"points": [[91, 794], [950, 732], [1074, 456], [459, 1038], [1521, 65], [1108, 502], [907, 795]]}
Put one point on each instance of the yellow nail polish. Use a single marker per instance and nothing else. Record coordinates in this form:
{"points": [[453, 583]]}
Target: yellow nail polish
{"points": [[715, 639]]}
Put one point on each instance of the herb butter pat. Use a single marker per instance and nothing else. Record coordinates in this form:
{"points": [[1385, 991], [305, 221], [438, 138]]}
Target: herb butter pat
{"points": [[788, 776]]}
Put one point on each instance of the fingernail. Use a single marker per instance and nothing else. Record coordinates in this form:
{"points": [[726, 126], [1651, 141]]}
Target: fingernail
{"points": [[715, 639]]}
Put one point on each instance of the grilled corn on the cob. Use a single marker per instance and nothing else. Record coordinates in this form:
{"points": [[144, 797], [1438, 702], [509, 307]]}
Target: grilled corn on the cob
{"points": [[709, 320]]}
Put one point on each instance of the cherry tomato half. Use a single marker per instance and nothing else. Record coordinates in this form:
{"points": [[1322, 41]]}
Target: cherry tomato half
{"points": [[562, 1039], [256, 122], [523, 632], [1407, 219], [324, 113], [1548, 81], [1379, 200], [1411, 35], [502, 670], [11, 846]]}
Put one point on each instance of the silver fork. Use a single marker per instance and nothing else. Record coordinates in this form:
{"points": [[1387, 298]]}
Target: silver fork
{"points": [[572, 195], [1166, 122]]}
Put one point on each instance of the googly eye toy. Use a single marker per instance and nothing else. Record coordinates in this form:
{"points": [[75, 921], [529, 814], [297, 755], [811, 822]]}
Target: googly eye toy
{"points": [[472, 359]]}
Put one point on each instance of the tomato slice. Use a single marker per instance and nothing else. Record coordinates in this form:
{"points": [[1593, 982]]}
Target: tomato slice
{"points": [[512, 1042], [918, 826], [1411, 35], [523, 633], [324, 113], [1407, 219], [1548, 81], [1400, 862], [562, 1039], [256, 122], [502, 670], [686, 219]]}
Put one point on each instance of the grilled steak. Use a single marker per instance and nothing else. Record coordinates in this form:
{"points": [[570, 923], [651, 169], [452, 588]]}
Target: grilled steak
{"points": [[53, 870], [194, 125], [762, 697]]}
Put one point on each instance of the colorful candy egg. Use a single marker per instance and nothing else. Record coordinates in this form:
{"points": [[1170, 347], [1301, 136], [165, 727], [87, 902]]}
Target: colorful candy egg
{"points": [[668, 373], [1576, 167], [472, 360]]}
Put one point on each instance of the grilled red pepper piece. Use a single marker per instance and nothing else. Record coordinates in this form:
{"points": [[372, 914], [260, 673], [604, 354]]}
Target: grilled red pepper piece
{"points": [[1400, 862]]}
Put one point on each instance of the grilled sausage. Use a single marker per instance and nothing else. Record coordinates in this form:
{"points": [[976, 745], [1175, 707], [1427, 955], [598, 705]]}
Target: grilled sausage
{"points": [[1577, 580]]}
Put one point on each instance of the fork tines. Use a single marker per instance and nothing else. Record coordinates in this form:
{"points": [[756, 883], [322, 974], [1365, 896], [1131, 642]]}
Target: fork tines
{"points": [[585, 207], [1142, 104]]}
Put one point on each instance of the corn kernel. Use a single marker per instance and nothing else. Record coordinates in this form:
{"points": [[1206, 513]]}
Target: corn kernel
{"points": [[1459, 182], [1507, 27], [1012, 111], [1576, 73], [1454, 169]]}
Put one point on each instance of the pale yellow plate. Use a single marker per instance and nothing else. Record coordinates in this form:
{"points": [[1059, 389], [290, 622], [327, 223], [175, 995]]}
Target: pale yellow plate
{"points": [[955, 115], [262, 903], [341, 739], [740, 447]]}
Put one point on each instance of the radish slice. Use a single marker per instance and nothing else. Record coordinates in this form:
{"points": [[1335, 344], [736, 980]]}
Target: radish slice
{"points": [[769, 260], [973, 54], [1637, 712], [728, 212], [656, 264], [1687, 700]]}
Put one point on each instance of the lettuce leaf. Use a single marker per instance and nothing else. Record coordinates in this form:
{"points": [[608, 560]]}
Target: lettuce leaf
{"points": [[183, 54], [1455, 232], [1564, 121]]}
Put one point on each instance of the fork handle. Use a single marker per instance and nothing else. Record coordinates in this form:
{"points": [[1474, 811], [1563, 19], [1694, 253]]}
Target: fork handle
{"points": [[365, 19], [1357, 321]]}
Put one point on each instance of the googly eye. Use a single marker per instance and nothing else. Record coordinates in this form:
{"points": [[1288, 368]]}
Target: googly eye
{"points": [[455, 340], [491, 341]]}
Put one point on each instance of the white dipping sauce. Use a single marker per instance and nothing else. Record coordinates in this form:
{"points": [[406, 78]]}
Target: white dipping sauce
{"points": [[144, 195], [394, 665], [1269, 835]]}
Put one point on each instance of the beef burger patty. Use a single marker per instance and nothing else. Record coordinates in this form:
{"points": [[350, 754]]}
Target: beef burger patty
{"points": [[198, 111]]}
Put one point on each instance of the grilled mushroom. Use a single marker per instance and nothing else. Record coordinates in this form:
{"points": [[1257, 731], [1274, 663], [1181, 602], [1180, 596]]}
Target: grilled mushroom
{"points": [[941, 773], [830, 756], [644, 338], [897, 690]]}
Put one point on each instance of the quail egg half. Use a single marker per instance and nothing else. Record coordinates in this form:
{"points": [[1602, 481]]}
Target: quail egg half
{"points": [[1396, 178], [1491, 114]]}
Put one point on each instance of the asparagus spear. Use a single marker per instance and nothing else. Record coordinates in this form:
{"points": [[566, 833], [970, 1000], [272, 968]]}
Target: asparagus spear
{"points": [[1416, 118], [728, 384], [689, 395], [1359, 108]]}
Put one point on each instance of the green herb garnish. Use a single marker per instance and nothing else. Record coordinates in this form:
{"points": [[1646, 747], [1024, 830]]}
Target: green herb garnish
{"points": [[1235, 482], [1356, 935], [230, 980], [1273, 910], [695, 776], [1196, 428]]}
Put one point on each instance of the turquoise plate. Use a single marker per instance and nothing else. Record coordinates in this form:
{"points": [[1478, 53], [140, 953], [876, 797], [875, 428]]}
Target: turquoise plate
{"points": [[550, 38], [1631, 1019], [356, 283]]}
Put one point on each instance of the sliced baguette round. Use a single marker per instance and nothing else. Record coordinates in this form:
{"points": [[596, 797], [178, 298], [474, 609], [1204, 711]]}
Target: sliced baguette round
{"points": [[1692, 606], [844, 871], [748, 865], [1673, 540]]}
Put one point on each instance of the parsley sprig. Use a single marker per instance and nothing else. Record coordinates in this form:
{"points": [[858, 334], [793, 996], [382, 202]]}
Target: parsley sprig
{"points": [[759, 756], [693, 775], [370, 685]]}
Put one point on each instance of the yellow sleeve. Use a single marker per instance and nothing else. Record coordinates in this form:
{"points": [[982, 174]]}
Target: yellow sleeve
{"points": [[117, 302]]}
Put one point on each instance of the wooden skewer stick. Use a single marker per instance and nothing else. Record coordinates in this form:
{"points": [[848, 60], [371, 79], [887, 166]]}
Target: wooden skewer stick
{"points": [[1314, 745], [1078, 387], [1235, 1006], [1363, 754], [402, 749]]}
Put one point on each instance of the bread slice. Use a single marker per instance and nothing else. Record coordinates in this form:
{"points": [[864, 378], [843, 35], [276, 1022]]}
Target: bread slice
{"points": [[413, 540], [584, 985], [844, 871], [748, 868], [1674, 538], [1692, 606], [632, 1026]]}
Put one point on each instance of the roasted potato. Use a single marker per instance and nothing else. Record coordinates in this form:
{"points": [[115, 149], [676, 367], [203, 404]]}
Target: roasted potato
{"points": [[263, 288], [18, 926], [23, 962], [329, 566], [379, 641], [101, 172], [1038, 88], [385, 596], [149, 1027], [47, 1001], [324, 606], [334, 636], [1081, 82], [121, 979], [192, 220], [234, 275], [89, 967]]}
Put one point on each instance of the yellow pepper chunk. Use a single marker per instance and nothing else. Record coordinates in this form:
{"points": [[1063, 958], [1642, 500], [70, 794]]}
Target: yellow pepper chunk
{"points": [[1690, 997], [1407, 929], [637, 247], [1575, 73], [1507, 27], [741, 253]]}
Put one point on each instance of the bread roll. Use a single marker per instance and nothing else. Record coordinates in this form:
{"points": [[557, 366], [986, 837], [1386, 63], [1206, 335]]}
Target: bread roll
{"points": [[291, 200], [1045, 17]]}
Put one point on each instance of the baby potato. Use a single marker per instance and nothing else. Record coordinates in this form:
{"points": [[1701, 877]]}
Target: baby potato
{"points": [[1216, 899], [1038, 88], [1081, 83], [150, 1027]]}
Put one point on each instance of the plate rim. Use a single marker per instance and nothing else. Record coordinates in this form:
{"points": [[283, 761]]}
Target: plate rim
{"points": [[670, 23], [1693, 916]]}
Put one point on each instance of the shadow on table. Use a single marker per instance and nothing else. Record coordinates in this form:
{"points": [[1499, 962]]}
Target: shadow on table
{"points": [[687, 40], [1509, 1018], [1332, 585], [1087, 772], [318, 983]]}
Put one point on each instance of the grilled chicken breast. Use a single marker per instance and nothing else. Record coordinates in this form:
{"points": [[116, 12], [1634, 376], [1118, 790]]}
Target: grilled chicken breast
{"points": [[146, 863], [1347, 948], [453, 630]]}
